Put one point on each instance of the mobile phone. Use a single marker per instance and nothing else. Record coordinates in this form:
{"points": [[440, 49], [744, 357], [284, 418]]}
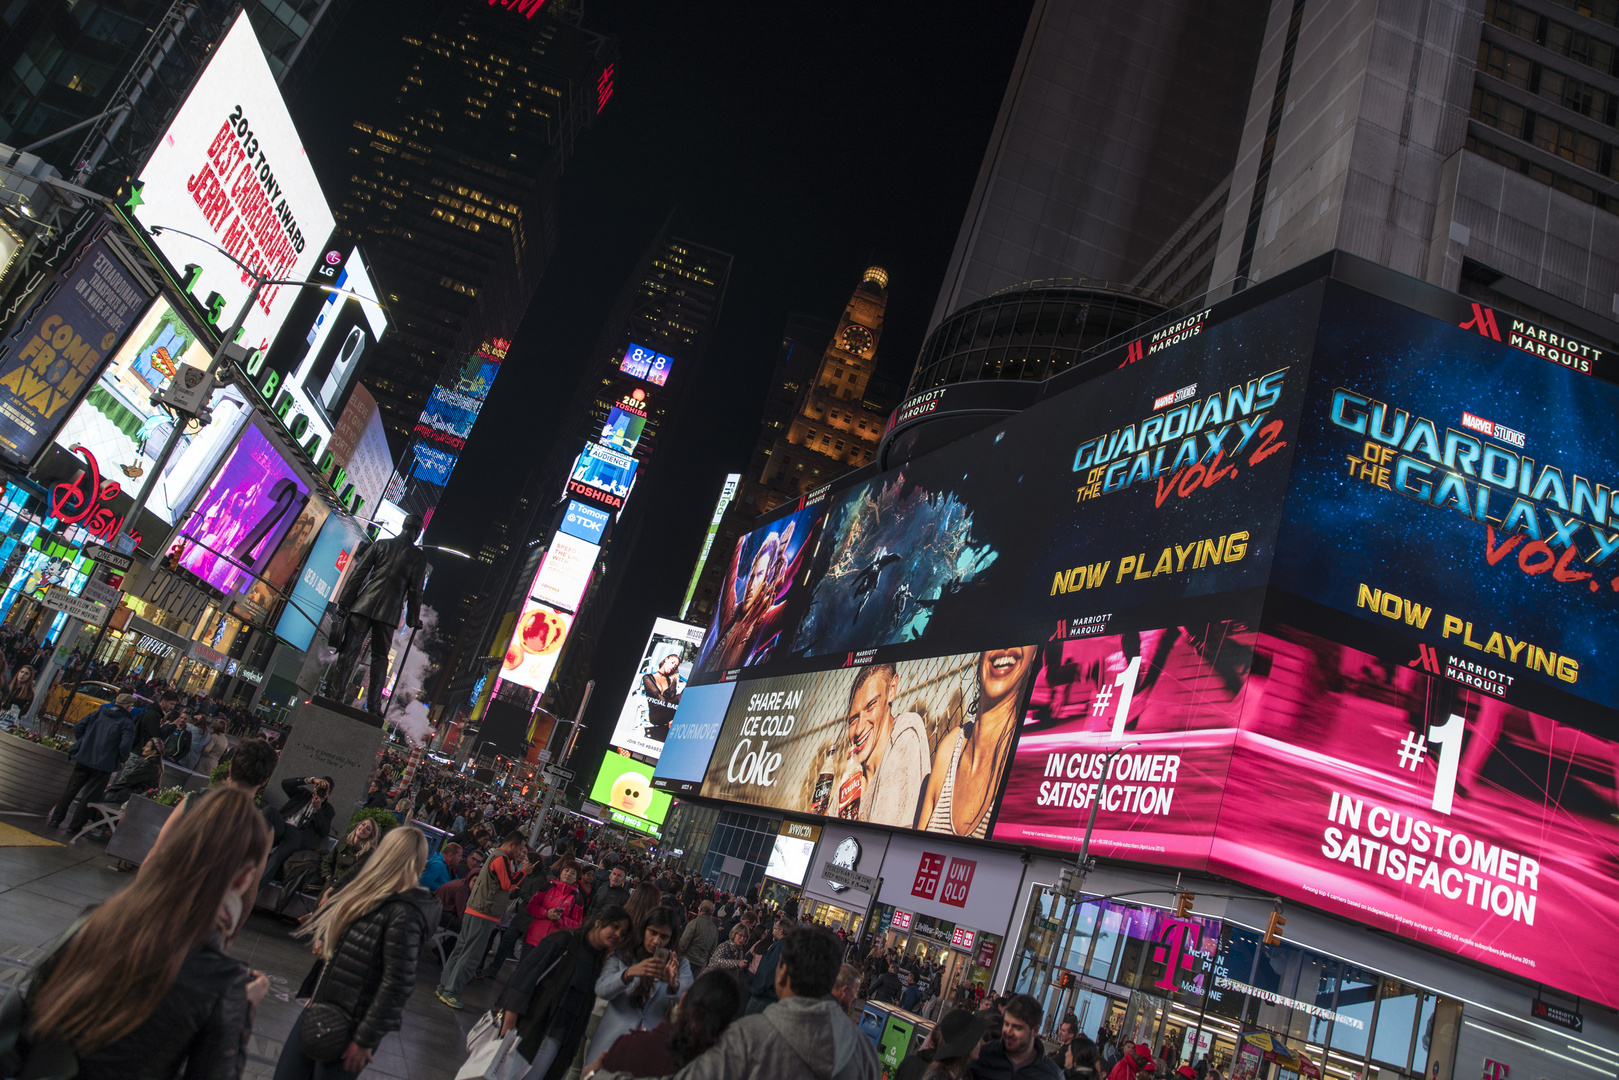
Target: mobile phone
{"points": [[662, 955]]}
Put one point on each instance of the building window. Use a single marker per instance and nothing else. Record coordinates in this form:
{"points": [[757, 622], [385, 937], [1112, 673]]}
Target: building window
{"points": [[1497, 112]]}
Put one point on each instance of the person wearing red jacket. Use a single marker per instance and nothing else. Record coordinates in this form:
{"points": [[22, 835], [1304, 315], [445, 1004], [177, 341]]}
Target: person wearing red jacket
{"points": [[1138, 1060], [557, 908]]}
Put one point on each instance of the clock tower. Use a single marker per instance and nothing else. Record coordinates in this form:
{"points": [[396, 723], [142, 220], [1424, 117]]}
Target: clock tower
{"points": [[835, 426]]}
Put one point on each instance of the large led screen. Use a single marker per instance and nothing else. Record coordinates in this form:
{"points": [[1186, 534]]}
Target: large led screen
{"points": [[319, 582], [918, 744], [789, 859], [565, 572], [602, 476], [660, 679], [1469, 486], [536, 645], [243, 515], [56, 350], [625, 785], [646, 364], [692, 734], [1156, 484], [118, 423], [232, 169]]}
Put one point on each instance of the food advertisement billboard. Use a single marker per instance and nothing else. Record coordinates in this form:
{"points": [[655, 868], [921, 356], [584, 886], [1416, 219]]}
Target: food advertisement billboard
{"points": [[624, 786], [536, 645], [232, 169], [919, 744], [660, 679], [243, 515], [57, 348]]}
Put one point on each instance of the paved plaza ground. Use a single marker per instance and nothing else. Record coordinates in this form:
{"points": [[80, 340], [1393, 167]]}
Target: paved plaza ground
{"points": [[42, 889]]}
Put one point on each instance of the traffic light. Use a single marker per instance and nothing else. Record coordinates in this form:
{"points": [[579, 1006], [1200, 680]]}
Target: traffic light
{"points": [[1273, 929], [1183, 905]]}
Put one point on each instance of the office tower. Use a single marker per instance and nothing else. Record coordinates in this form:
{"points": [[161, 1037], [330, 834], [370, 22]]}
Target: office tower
{"points": [[1469, 145], [636, 380], [293, 33], [840, 409], [450, 187]]}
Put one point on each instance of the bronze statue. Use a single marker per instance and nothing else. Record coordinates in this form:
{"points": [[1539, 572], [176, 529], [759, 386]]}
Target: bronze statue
{"points": [[387, 576]]}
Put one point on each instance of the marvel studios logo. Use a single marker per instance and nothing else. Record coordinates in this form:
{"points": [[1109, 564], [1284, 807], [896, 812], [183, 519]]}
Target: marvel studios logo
{"points": [[1493, 430], [1180, 395]]}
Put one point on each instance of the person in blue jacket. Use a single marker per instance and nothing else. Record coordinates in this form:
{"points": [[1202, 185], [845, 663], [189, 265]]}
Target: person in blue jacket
{"points": [[440, 870], [101, 742]]}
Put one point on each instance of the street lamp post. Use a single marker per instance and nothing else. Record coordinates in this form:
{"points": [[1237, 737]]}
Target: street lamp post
{"points": [[1076, 875], [70, 631]]}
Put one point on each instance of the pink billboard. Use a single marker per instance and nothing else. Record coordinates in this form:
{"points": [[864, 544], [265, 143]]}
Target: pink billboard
{"points": [[1372, 787]]}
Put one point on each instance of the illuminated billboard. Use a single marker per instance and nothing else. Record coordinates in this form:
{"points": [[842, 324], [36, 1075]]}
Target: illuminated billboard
{"points": [[240, 519], [536, 645], [319, 581], [660, 679], [565, 572], [232, 169], [882, 743], [790, 859], [692, 734], [624, 786], [585, 522], [602, 476], [727, 493], [644, 363], [55, 351], [118, 423]]}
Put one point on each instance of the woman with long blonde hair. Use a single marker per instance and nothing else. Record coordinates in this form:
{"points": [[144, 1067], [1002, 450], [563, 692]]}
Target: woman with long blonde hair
{"points": [[144, 989], [368, 937]]}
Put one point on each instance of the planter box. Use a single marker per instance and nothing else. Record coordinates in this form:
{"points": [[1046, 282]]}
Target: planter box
{"points": [[32, 776], [137, 830]]}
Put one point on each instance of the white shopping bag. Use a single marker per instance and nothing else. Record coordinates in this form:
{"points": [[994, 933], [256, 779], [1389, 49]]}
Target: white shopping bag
{"points": [[487, 1027], [490, 1060]]}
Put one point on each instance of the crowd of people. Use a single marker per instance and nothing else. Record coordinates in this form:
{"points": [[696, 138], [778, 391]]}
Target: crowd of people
{"points": [[603, 964]]}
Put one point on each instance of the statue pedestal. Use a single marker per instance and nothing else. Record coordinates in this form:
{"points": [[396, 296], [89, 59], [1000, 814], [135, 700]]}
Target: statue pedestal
{"points": [[330, 739]]}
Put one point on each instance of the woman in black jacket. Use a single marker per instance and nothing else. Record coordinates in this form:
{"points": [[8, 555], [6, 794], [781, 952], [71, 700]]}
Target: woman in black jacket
{"points": [[370, 936], [553, 989], [144, 989]]}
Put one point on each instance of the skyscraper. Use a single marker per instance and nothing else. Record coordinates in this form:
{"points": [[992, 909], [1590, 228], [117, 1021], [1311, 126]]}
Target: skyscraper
{"points": [[840, 409], [1470, 146], [637, 379], [453, 178]]}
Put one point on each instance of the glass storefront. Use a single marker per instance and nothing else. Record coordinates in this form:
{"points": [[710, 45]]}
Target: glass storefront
{"points": [[1195, 987], [966, 955], [831, 916]]}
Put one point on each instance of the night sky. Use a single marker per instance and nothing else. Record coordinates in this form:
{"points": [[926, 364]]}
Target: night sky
{"points": [[809, 141]]}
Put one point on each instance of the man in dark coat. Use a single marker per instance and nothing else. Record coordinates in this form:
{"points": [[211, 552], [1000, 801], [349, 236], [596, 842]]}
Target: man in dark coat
{"points": [[149, 724], [549, 997], [101, 742], [386, 577], [306, 820]]}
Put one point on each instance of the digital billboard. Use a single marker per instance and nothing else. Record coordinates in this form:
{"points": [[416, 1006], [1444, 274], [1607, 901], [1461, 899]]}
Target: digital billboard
{"points": [[921, 744], [118, 423], [660, 679], [360, 444], [536, 645], [692, 734], [644, 363], [585, 522], [623, 429], [790, 859], [602, 476], [345, 329], [55, 351], [261, 593], [442, 430], [625, 785], [1466, 486], [1155, 484], [565, 572], [232, 169], [319, 582], [247, 509]]}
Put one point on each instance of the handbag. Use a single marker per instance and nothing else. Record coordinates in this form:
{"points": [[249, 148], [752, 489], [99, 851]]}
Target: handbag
{"points": [[486, 1029], [324, 1030], [489, 1061]]}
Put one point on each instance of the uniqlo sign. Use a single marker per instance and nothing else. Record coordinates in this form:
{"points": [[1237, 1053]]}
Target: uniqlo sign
{"points": [[929, 869], [957, 882]]}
